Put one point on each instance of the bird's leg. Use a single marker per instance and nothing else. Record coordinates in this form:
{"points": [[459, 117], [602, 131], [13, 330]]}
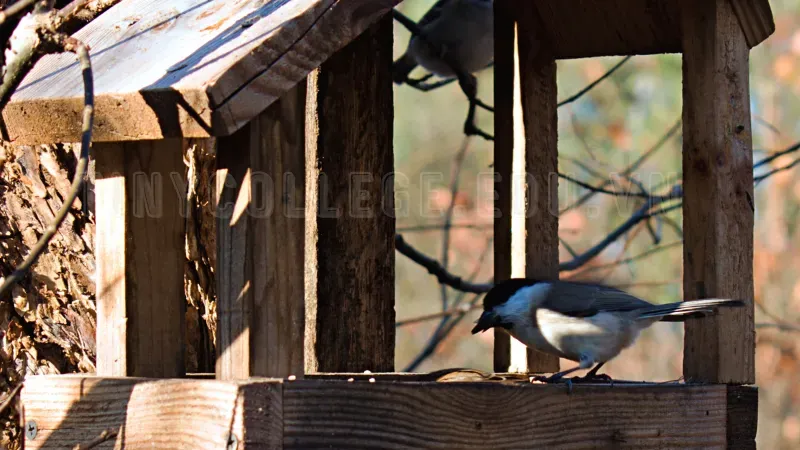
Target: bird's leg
{"points": [[469, 85], [593, 376]]}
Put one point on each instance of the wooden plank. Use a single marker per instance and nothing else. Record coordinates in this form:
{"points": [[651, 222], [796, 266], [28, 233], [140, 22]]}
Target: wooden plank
{"points": [[260, 243], [579, 28], [496, 415], [742, 416], [526, 155], [140, 258], [350, 242], [718, 203], [755, 18], [539, 125], [505, 253], [170, 414], [193, 68]]}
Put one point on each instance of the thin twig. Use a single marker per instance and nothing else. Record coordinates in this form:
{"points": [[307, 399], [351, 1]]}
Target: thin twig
{"points": [[446, 313], [602, 190], [594, 83], [772, 157], [448, 324], [635, 165], [641, 214], [436, 269], [10, 398], [645, 254], [71, 45], [458, 163], [779, 326], [772, 172], [15, 9]]}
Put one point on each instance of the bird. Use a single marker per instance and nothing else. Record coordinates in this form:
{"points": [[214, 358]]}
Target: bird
{"points": [[458, 31], [584, 322]]}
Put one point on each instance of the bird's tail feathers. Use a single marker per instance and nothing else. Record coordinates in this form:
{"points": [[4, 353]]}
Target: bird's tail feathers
{"points": [[402, 67], [680, 311]]}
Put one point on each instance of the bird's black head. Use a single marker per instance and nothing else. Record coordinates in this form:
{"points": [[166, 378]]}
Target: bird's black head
{"points": [[496, 296]]}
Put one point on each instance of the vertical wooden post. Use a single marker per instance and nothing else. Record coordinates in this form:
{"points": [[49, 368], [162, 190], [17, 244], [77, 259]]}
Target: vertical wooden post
{"points": [[260, 238], [350, 208], [140, 258], [718, 192], [526, 230]]}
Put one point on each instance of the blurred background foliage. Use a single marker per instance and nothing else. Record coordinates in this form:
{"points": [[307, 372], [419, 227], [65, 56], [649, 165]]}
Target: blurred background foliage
{"points": [[602, 133]]}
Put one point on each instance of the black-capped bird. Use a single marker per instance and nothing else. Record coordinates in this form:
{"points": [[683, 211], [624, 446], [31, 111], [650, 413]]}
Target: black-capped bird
{"points": [[583, 322]]}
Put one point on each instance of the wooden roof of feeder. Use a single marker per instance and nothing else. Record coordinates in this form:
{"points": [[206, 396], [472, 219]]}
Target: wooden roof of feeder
{"points": [[190, 68], [198, 68]]}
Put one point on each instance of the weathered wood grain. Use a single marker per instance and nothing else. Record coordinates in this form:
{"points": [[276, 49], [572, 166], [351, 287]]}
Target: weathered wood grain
{"points": [[188, 68], [260, 240], [526, 231], [164, 414], [755, 18], [268, 413], [539, 125], [350, 208], [718, 203], [493, 415], [579, 29], [140, 258], [742, 417]]}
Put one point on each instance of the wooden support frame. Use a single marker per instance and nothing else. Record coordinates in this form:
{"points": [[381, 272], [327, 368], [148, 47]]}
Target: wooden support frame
{"points": [[718, 205], [270, 413], [526, 160], [260, 243], [140, 258], [351, 223]]}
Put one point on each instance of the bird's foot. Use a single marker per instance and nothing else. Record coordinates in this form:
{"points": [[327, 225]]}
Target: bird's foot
{"points": [[593, 378], [471, 130]]}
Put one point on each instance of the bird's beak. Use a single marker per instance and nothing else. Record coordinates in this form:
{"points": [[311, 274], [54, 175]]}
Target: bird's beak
{"points": [[487, 321]]}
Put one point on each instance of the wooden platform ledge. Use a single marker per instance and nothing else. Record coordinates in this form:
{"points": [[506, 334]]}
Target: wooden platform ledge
{"points": [[66, 410]]}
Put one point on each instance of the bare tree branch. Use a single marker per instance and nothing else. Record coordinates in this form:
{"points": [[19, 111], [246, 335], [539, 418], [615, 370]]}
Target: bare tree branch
{"points": [[10, 398], [71, 45], [642, 214], [436, 269], [635, 165], [602, 190], [15, 9], [465, 308], [594, 83]]}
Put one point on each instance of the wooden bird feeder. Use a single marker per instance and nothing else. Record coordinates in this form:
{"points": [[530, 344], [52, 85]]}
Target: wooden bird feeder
{"points": [[304, 87]]}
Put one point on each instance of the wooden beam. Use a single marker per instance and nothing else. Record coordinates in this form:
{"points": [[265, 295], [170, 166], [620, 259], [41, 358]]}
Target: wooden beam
{"points": [[496, 415], [350, 240], [526, 155], [718, 203], [260, 243], [68, 410], [140, 258], [539, 122], [192, 68], [263, 413]]}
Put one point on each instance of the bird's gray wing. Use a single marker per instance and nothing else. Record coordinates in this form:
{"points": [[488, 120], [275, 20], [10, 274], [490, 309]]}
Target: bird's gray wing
{"points": [[587, 299]]}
